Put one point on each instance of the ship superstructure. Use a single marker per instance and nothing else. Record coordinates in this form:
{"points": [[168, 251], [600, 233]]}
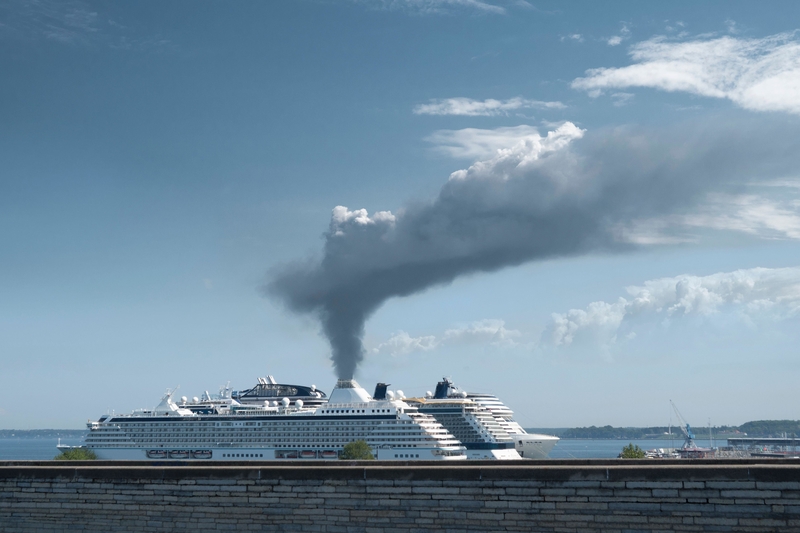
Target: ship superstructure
{"points": [[223, 428], [267, 389], [527, 445], [470, 423]]}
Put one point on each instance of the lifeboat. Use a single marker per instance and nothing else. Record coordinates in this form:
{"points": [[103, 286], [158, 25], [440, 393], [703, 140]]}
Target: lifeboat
{"points": [[329, 454], [286, 454], [201, 454], [179, 454], [308, 454], [156, 454]]}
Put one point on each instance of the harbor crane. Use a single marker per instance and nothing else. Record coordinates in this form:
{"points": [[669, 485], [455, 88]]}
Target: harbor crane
{"points": [[686, 428]]}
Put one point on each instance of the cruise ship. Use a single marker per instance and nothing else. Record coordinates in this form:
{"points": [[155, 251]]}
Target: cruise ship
{"points": [[483, 423], [225, 429], [477, 429]]}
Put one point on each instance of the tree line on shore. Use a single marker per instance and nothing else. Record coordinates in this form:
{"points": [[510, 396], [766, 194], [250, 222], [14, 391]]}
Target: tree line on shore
{"points": [[756, 428]]}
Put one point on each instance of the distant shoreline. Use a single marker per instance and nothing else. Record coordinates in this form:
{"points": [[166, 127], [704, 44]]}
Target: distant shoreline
{"points": [[40, 433], [631, 434], [757, 428]]}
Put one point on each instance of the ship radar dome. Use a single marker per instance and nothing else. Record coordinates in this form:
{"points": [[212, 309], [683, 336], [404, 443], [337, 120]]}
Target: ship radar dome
{"points": [[285, 402], [298, 404], [390, 394]]}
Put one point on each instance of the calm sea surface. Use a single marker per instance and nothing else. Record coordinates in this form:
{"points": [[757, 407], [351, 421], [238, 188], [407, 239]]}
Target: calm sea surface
{"points": [[45, 448], [25, 449], [606, 448]]}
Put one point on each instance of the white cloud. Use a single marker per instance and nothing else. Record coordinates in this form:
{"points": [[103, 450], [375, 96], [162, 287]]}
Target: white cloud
{"points": [[486, 108], [402, 343], [785, 182], [756, 74], [621, 99], [600, 315], [489, 331], [751, 214], [67, 22], [487, 145], [74, 23], [767, 216], [342, 218], [474, 143], [771, 293], [435, 7], [616, 40], [508, 162]]}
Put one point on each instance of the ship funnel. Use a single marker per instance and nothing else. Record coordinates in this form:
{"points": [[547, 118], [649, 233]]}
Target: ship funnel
{"points": [[347, 384], [348, 391], [380, 391], [443, 389]]}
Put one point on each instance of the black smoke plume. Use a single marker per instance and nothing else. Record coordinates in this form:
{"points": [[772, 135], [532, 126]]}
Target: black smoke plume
{"points": [[561, 195]]}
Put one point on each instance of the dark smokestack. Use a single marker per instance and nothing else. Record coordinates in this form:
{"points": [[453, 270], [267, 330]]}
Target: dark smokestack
{"points": [[380, 391]]}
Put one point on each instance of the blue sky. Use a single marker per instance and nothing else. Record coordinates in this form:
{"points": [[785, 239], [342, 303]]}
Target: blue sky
{"points": [[161, 164]]}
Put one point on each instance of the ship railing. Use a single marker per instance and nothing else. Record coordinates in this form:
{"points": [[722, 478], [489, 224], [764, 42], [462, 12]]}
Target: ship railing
{"points": [[340, 406]]}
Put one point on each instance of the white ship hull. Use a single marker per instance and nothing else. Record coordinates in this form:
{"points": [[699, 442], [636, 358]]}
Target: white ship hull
{"points": [[534, 446], [502, 455], [267, 454]]}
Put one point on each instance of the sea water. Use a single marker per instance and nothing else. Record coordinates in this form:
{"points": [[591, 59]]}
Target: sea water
{"points": [[610, 448], [28, 449], [21, 449]]}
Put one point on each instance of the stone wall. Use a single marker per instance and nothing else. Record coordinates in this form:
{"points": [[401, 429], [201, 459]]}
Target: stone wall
{"points": [[402, 498]]}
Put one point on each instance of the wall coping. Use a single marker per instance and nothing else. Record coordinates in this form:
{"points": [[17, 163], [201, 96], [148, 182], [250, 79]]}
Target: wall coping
{"points": [[557, 471]]}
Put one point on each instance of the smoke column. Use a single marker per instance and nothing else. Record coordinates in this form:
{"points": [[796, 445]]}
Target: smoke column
{"points": [[563, 194]]}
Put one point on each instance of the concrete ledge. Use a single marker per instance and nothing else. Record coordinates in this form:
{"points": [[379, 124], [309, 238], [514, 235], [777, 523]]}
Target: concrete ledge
{"points": [[618, 470]]}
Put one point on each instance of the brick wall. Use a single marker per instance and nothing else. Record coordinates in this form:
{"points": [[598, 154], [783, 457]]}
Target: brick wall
{"points": [[390, 498]]}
